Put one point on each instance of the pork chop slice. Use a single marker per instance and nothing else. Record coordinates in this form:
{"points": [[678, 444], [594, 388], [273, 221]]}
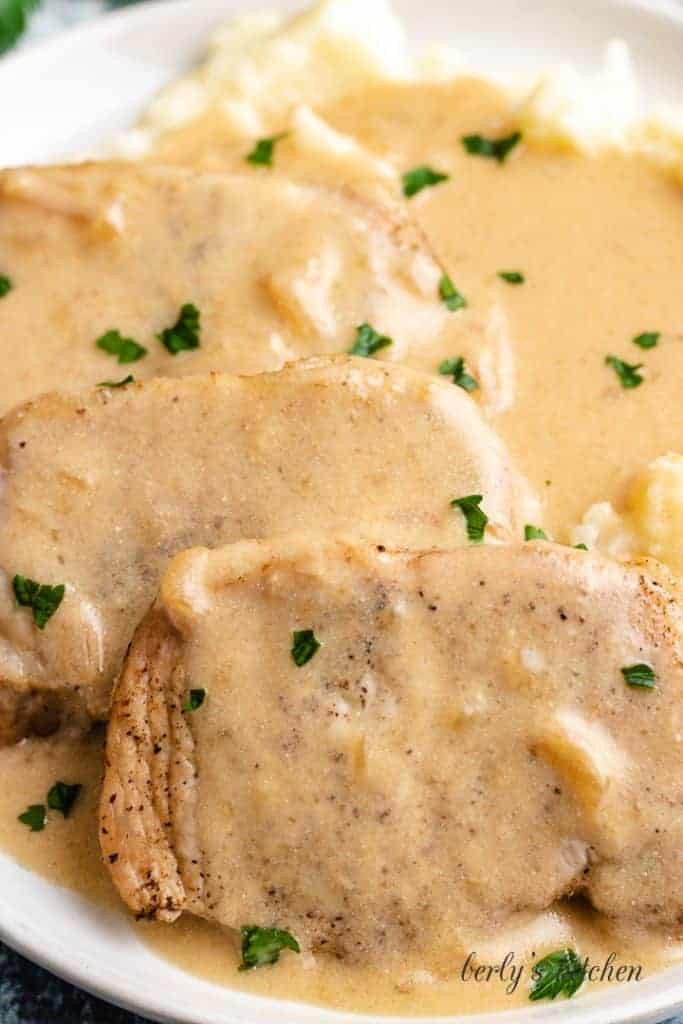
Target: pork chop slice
{"points": [[276, 271], [102, 487], [386, 752]]}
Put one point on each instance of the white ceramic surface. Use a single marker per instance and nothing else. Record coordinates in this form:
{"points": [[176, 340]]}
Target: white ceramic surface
{"points": [[65, 96]]}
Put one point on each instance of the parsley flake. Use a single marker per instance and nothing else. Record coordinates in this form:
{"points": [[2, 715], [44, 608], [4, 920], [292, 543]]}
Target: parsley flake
{"points": [[262, 153], [130, 379], [304, 646], [261, 946], [495, 149], [534, 533], [184, 334], [647, 340], [639, 675], [5, 285], [626, 372], [195, 699], [421, 177], [368, 341], [450, 294], [34, 817], [455, 368], [557, 973], [125, 349], [475, 518], [511, 276], [41, 598], [63, 796]]}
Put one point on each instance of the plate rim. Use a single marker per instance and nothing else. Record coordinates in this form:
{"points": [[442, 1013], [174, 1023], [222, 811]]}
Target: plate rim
{"points": [[27, 940]]}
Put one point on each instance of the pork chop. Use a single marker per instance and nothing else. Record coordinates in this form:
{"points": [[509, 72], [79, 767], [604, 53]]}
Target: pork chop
{"points": [[276, 271], [392, 751], [102, 487]]}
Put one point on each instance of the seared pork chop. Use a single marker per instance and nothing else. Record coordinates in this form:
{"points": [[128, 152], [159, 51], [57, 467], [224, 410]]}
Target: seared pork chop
{"points": [[101, 488], [397, 750], [100, 248]]}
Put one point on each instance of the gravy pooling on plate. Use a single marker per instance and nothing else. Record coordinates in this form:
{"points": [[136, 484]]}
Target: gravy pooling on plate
{"points": [[597, 240], [338, 208]]}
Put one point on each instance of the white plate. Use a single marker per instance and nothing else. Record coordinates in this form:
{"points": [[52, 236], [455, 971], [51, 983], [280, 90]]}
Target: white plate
{"points": [[65, 96]]}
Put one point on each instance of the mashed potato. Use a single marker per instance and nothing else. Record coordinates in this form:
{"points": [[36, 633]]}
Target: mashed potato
{"points": [[604, 111], [261, 67], [651, 522]]}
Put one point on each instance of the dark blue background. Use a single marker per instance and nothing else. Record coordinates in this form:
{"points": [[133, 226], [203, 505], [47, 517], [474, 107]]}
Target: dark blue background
{"points": [[29, 995]]}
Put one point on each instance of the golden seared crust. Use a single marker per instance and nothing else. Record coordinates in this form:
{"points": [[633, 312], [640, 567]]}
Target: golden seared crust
{"points": [[146, 815]]}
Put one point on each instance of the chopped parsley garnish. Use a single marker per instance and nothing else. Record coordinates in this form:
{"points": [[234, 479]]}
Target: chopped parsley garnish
{"points": [[626, 372], [581, 547], [5, 285], [368, 341], [41, 598], [450, 294], [496, 149], [34, 817], [117, 383], [558, 973], [475, 518], [262, 153], [261, 946], [455, 368], [14, 15], [511, 276], [184, 334], [304, 646], [639, 675], [63, 796], [421, 177], [195, 699], [534, 533], [126, 350], [647, 340]]}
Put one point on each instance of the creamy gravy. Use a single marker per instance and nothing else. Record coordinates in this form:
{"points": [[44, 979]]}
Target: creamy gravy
{"points": [[277, 272], [345, 445], [210, 952], [67, 853], [600, 242], [393, 742], [390, 746]]}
